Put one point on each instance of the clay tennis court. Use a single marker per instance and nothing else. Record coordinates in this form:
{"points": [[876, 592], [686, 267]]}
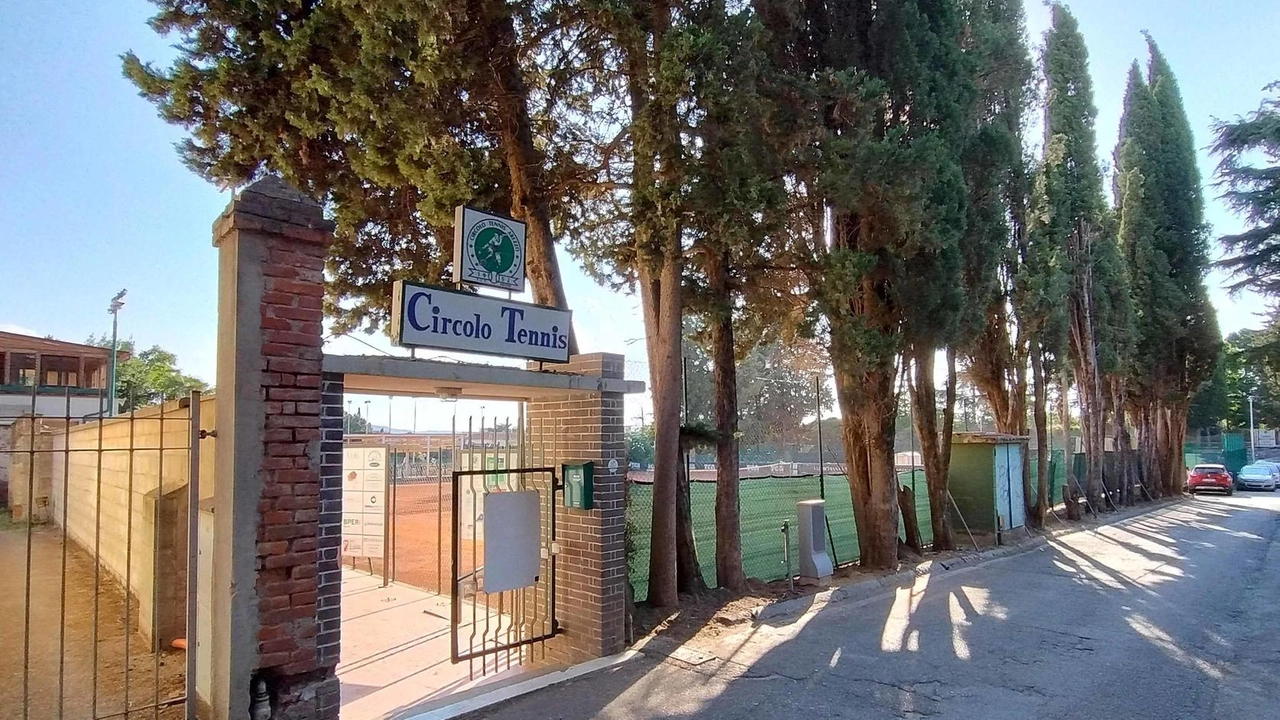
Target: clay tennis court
{"points": [[419, 539]]}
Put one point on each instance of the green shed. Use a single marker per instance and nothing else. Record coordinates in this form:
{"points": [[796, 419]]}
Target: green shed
{"points": [[986, 480]]}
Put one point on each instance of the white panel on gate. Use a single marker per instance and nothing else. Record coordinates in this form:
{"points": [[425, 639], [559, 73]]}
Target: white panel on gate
{"points": [[512, 535]]}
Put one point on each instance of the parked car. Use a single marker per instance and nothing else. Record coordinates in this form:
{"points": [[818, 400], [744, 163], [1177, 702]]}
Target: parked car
{"points": [[1210, 477], [1258, 476]]}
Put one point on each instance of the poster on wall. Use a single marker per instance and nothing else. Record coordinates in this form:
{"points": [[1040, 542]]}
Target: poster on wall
{"points": [[364, 495]]}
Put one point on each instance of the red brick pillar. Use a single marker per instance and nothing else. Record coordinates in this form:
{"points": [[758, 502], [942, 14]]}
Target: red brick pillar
{"points": [[269, 530]]}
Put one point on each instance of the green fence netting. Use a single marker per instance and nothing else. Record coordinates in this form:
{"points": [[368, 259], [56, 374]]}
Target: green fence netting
{"points": [[765, 503]]}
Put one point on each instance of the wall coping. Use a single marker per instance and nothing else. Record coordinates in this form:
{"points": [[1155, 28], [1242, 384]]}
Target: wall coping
{"points": [[385, 375]]}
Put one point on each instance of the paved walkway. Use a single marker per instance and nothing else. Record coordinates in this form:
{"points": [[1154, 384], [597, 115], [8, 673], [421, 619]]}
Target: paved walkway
{"points": [[395, 650], [1175, 614]]}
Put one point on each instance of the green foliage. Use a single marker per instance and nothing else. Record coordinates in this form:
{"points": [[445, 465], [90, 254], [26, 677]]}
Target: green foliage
{"points": [[1249, 367], [640, 446], [1070, 213], [149, 377], [356, 424], [385, 111], [1163, 238], [1249, 172]]}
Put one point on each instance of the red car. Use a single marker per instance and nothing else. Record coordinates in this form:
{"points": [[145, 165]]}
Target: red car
{"points": [[1210, 477]]}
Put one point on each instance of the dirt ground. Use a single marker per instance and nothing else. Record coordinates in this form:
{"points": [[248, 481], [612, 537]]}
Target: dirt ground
{"points": [[71, 638]]}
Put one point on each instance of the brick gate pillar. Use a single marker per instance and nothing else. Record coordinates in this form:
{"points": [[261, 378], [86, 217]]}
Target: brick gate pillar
{"points": [[270, 535], [591, 569]]}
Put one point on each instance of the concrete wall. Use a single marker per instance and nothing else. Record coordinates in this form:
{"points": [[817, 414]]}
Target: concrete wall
{"points": [[125, 502], [30, 467]]}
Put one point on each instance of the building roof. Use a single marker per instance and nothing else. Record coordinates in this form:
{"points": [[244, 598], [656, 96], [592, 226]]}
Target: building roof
{"points": [[987, 438], [17, 342]]}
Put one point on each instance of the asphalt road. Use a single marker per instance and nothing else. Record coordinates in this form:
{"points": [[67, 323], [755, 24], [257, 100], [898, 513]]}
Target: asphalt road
{"points": [[1174, 614]]}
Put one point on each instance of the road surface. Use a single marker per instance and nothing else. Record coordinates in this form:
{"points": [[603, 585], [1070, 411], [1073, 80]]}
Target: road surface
{"points": [[1174, 614]]}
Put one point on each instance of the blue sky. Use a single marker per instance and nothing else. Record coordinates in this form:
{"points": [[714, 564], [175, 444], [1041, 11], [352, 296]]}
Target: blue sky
{"points": [[94, 199]]}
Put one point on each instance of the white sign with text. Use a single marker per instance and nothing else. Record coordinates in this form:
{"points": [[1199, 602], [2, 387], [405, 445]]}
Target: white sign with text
{"points": [[432, 317], [364, 496]]}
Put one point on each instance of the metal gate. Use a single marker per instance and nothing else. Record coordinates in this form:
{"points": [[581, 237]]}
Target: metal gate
{"points": [[506, 625], [98, 550]]}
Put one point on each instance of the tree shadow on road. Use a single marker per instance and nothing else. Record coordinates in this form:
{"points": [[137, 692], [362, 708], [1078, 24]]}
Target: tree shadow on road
{"points": [[1096, 625]]}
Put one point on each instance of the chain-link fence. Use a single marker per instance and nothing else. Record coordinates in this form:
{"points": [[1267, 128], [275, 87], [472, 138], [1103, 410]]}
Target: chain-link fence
{"points": [[1228, 449], [765, 503]]}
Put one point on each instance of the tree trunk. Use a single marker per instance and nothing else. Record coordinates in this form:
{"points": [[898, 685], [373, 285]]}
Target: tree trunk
{"points": [[910, 523], [689, 578], [1120, 437], [659, 265], [661, 299], [1040, 400], [867, 423], [729, 572], [1070, 489], [935, 446], [525, 163]]}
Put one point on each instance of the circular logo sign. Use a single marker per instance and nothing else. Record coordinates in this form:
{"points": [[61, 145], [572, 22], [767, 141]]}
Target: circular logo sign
{"points": [[492, 247]]}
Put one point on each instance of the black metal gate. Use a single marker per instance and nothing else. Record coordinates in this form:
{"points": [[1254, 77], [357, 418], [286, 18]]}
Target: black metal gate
{"points": [[508, 625], [98, 544]]}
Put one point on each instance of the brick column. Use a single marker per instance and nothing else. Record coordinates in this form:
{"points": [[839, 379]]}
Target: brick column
{"points": [[268, 536], [592, 566]]}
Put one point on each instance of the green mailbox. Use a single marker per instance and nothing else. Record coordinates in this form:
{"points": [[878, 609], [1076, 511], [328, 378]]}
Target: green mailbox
{"points": [[579, 482]]}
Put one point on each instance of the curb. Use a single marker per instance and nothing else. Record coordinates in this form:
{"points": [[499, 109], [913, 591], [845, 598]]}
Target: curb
{"points": [[488, 697], [875, 587]]}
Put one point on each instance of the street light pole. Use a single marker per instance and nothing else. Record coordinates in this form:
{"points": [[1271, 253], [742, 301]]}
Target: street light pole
{"points": [[1253, 435], [117, 302]]}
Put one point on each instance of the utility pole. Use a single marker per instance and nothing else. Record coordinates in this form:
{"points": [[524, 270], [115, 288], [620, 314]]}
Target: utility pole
{"points": [[1253, 434], [117, 302]]}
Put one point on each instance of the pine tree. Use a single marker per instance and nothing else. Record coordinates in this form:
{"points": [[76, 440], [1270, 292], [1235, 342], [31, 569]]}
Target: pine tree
{"points": [[1253, 191]]}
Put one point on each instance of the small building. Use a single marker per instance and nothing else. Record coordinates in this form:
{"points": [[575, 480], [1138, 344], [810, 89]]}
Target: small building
{"points": [[47, 372], [53, 367], [986, 481]]}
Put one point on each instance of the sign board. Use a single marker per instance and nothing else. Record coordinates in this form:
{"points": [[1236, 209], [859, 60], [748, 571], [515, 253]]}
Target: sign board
{"points": [[488, 249], [364, 495], [432, 317]]}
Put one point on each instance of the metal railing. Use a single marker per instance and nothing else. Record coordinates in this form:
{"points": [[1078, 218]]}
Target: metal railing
{"points": [[101, 529]]}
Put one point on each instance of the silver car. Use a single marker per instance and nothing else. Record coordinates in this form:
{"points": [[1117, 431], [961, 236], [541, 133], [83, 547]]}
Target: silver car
{"points": [[1258, 476]]}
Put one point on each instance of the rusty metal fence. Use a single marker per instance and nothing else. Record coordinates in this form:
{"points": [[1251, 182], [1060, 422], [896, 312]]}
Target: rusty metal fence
{"points": [[97, 559]]}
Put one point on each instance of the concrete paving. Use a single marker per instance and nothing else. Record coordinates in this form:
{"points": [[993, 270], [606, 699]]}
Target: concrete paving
{"points": [[1174, 614], [395, 651]]}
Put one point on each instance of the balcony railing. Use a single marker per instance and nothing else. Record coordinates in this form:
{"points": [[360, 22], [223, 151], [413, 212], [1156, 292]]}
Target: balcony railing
{"points": [[18, 389]]}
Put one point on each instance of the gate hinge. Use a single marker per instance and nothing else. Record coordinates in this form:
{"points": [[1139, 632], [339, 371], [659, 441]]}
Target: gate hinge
{"points": [[206, 434]]}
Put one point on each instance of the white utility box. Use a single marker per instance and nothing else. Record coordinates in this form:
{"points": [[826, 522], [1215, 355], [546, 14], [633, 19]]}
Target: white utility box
{"points": [[815, 563]]}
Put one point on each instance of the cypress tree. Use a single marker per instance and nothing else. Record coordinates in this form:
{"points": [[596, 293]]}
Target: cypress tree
{"points": [[1161, 208], [878, 99], [1072, 214]]}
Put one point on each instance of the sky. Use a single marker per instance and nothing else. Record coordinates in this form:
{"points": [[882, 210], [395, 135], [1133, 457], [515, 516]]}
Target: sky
{"points": [[95, 199]]}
